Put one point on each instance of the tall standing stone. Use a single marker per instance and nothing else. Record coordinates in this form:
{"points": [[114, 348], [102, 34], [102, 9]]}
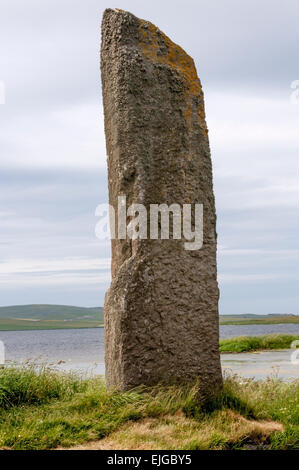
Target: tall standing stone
{"points": [[161, 311]]}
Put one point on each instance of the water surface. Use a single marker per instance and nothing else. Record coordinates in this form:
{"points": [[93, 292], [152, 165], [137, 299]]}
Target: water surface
{"points": [[83, 349]]}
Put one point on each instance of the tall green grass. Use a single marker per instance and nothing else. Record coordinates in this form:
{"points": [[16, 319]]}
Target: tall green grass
{"points": [[35, 385], [43, 409], [255, 343]]}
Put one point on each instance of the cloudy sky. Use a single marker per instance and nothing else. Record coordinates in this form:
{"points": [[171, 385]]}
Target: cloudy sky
{"points": [[53, 159]]}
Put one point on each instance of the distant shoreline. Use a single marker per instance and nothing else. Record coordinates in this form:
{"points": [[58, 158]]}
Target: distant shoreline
{"points": [[62, 317], [43, 325]]}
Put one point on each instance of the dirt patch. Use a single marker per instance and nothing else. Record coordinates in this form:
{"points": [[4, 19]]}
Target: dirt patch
{"points": [[226, 430]]}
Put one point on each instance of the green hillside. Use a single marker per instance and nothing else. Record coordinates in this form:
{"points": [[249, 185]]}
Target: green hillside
{"points": [[45, 317], [251, 319], [51, 312], [49, 317]]}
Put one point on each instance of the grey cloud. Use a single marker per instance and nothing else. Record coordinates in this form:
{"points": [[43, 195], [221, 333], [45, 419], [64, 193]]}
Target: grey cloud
{"points": [[52, 146], [50, 49]]}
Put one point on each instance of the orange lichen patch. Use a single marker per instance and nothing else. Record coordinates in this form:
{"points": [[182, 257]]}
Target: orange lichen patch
{"points": [[156, 46], [153, 40]]}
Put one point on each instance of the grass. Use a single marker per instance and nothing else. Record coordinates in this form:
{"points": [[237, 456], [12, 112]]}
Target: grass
{"points": [[256, 343], [43, 409], [257, 319], [50, 317], [13, 324], [51, 312]]}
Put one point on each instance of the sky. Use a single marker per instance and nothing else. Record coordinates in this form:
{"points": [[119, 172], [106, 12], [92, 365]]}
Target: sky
{"points": [[53, 157]]}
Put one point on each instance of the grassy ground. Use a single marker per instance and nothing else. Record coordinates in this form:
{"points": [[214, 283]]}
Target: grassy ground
{"points": [[51, 312], [256, 343], [257, 319], [43, 409], [49, 317], [13, 324]]}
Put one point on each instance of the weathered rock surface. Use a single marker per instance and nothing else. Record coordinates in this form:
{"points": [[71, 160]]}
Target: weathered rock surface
{"points": [[161, 311]]}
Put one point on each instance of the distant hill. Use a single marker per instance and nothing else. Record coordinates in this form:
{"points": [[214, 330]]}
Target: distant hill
{"points": [[253, 319], [49, 317], [45, 317], [51, 312]]}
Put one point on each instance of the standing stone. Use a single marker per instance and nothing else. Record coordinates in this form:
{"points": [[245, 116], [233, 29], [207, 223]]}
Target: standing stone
{"points": [[161, 311]]}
